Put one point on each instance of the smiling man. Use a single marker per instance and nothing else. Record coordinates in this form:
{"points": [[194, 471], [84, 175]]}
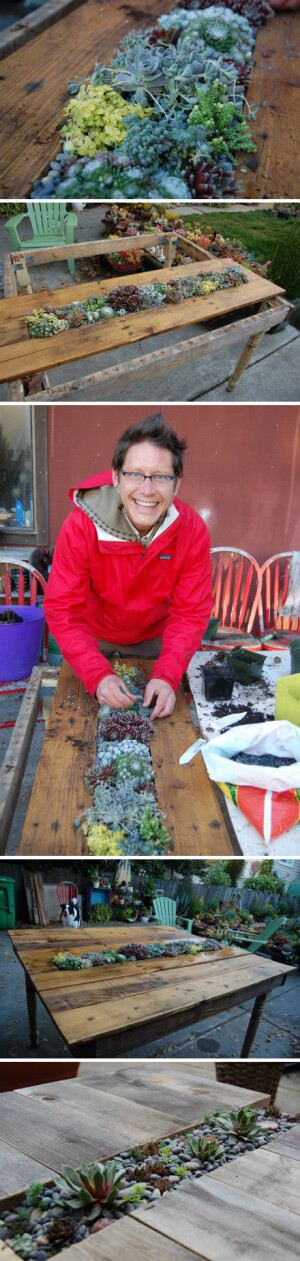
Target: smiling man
{"points": [[131, 572]]}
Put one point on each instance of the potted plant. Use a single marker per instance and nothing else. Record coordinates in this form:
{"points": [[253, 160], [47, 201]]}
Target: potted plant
{"points": [[100, 913], [144, 916], [94, 874], [128, 913], [125, 261]]}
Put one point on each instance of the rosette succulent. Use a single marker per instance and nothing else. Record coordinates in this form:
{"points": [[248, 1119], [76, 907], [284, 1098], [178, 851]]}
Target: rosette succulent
{"points": [[241, 1124], [96, 1185], [206, 1148]]}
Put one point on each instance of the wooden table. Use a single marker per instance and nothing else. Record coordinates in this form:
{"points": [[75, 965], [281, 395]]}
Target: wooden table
{"points": [[134, 1101], [34, 92], [22, 356], [186, 795], [262, 696], [114, 1008]]}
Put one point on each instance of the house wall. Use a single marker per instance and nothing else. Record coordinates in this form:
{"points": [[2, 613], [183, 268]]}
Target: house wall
{"points": [[242, 467]]}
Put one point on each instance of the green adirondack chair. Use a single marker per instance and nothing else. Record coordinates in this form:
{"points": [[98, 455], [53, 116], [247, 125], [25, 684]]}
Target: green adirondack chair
{"points": [[267, 932], [48, 224], [165, 911]]}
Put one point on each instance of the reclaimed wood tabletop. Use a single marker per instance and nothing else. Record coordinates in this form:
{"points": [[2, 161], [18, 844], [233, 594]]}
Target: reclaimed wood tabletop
{"points": [[22, 355], [246, 1207], [34, 92], [186, 796], [109, 1010], [117, 1105]]}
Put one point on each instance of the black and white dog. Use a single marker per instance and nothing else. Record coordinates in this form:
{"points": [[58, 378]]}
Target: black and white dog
{"points": [[70, 914]]}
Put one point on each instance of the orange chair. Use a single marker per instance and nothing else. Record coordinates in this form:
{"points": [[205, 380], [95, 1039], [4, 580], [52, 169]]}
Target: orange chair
{"points": [[236, 588], [64, 893], [275, 574], [9, 561]]}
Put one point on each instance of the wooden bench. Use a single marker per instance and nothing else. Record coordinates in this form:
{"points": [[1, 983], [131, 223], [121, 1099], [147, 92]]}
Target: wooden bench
{"points": [[34, 91], [22, 356]]}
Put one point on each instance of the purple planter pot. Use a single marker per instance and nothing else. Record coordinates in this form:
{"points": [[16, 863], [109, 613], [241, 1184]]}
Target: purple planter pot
{"points": [[20, 643]]}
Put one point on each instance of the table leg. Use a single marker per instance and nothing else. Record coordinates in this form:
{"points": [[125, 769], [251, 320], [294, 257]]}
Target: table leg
{"points": [[253, 1025], [32, 1011], [244, 360]]}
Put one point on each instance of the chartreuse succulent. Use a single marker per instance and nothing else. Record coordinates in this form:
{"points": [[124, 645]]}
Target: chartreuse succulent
{"points": [[96, 119], [95, 1185], [205, 1148], [241, 1124]]}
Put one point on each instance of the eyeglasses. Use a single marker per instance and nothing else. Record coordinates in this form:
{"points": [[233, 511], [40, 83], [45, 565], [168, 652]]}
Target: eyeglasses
{"points": [[158, 479]]}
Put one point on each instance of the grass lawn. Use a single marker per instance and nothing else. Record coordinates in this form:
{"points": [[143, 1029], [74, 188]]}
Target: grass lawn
{"points": [[258, 230]]}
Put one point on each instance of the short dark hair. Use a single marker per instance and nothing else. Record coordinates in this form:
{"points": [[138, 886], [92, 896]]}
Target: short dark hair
{"points": [[155, 429]]}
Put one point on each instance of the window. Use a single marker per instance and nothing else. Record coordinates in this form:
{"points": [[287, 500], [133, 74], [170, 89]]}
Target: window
{"points": [[23, 475]]}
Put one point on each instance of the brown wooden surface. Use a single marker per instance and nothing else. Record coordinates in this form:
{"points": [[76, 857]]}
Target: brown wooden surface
{"points": [[18, 357], [121, 1005], [225, 1223], [15, 760], [126, 375], [275, 79], [34, 91], [59, 795], [34, 87], [159, 1094]]}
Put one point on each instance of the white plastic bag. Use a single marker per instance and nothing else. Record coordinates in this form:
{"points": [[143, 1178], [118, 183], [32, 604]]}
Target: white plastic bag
{"points": [[281, 738]]}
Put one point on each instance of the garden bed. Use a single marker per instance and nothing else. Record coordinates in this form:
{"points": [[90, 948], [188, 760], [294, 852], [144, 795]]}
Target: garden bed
{"points": [[38, 1223]]}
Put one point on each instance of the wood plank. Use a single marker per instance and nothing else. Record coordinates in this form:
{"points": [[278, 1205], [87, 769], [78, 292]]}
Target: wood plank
{"points": [[170, 1092], [131, 1240], [275, 78], [86, 1102], [17, 1170], [90, 249], [59, 794], [38, 354], [27, 27], [45, 1133], [13, 767], [33, 101], [289, 1143], [265, 1175], [229, 1224]]}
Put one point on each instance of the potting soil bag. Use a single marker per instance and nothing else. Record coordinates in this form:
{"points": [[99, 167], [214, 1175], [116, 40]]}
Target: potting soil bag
{"points": [[271, 813], [281, 738]]}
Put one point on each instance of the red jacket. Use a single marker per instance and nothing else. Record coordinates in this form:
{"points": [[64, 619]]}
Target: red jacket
{"points": [[123, 593]]}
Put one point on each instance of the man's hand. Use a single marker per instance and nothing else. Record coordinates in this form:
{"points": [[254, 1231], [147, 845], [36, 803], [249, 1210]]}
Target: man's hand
{"points": [[112, 691], [165, 698]]}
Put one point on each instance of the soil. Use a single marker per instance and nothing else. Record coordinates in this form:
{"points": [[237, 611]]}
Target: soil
{"points": [[9, 616], [265, 759]]}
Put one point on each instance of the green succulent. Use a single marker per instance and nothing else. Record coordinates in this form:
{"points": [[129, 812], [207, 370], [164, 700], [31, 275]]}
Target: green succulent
{"points": [[34, 1194], [241, 1124], [93, 1185], [205, 1148]]}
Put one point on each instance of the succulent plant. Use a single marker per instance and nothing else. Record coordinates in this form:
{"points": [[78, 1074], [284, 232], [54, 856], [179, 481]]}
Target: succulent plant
{"points": [[62, 1231], [128, 298], [206, 1148], [212, 179], [93, 1185], [241, 1124], [119, 725]]}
